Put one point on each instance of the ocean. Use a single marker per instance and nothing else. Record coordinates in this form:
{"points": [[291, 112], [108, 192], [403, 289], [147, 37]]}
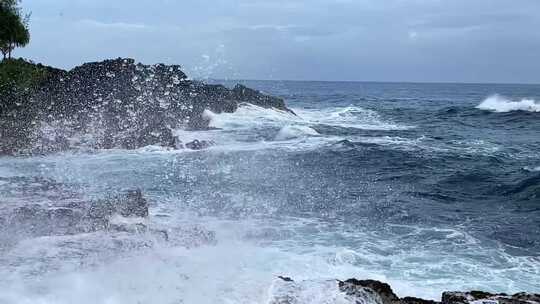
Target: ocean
{"points": [[429, 187]]}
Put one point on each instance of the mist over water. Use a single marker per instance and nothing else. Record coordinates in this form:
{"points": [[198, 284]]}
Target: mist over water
{"points": [[429, 187]]}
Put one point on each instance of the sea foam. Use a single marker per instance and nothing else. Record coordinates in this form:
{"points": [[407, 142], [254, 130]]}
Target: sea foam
{"points": [[295, 131], [497, 103]]}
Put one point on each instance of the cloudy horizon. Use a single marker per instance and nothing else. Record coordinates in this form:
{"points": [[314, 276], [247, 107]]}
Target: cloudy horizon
{"points": [[364, 40]]}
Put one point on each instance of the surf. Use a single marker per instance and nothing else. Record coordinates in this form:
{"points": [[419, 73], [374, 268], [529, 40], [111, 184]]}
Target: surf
{"points": [[501, 104]]}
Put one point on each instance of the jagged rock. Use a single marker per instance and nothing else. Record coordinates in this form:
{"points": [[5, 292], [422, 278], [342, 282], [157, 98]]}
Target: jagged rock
{"points": [[413, 300], [115, 104], [356, 291], [245, 94], [480, 297], [198, 144], [383, 290]]}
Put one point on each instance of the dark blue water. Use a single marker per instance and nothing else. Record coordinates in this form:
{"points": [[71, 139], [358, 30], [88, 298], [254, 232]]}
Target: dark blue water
{"points": [[428, 186], [457, 165]]}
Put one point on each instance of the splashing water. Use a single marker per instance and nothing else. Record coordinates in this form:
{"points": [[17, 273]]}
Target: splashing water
{"points": [[497, 103]]}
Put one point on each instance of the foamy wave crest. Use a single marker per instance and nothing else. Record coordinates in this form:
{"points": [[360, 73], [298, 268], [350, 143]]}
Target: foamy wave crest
{"points": [[497, 103], [290, 132], [349, 117], [254, 127], [249, 116]]}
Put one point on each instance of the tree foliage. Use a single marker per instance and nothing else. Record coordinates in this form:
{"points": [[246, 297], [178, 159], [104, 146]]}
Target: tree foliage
{"points": [[13, 27]]}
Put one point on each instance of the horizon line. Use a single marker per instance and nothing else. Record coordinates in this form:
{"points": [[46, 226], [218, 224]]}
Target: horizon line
{"points": [[376, 81], [305, 80]]}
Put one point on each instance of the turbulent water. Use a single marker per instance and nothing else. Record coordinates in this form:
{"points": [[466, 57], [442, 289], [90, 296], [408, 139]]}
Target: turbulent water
{"points": [[429, 187]]}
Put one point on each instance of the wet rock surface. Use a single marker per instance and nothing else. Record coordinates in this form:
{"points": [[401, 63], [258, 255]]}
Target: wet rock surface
{"points": [[53, 209], [73, 217], [115, 104], [356, 287], [481, 297], [288, 291], [198, 144]]}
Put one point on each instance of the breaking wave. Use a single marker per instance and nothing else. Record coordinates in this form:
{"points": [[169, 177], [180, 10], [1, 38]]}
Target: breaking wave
{"points": [[350, 117], [249, 116], [497, 103], [290, 132]]}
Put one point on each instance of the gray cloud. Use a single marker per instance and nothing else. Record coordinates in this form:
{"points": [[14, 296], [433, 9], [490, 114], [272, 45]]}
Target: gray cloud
{"points": [[391, 40]]}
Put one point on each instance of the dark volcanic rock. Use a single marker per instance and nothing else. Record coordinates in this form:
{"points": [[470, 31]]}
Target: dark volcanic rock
{"points": [[375, 292], [198, 144], [150, 136], [245, 94], [455, 297], [413, 300], [115, 104], [384, 290], [286, 279]]}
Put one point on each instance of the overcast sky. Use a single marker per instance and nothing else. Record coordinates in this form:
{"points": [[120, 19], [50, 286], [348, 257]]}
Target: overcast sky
{"points": [[378, 40]]}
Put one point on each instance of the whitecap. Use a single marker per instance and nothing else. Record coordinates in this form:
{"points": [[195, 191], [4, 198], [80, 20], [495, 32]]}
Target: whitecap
{"points": [[295, 131], [251, 116], [349, 117], [497, 103]]}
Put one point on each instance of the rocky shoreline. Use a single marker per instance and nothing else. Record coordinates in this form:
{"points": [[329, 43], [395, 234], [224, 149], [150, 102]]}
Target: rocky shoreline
{"points": [[127, 212], [289, 291], [113, 104]]}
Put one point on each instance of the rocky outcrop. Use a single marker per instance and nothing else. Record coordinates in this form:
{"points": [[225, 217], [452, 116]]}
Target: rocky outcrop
{"points": [[480, 297], [114, 104], [375, 289], [288, 291], [54, 209], [77, 216]]}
